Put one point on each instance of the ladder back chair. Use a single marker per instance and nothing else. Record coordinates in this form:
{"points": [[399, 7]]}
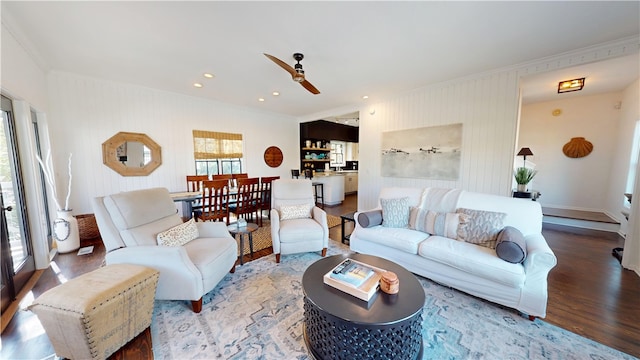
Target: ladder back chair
{"points": [[265, 194], [194, 184], [248, 200], [215, 198]]}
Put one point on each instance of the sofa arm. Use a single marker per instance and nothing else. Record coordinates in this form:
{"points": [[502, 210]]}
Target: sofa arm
{"points": [[210, 229], [179, 277], [540, 258]]}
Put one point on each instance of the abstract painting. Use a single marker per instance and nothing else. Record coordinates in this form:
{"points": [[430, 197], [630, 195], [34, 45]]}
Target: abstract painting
{"points": [[432, 152]]}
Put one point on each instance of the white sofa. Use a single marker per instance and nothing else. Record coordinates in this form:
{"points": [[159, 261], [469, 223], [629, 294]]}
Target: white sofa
{"points": [[471, 268]]}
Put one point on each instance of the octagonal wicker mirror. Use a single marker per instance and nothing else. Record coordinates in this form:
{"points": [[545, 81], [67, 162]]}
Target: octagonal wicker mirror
{"points": [[131, 154]]}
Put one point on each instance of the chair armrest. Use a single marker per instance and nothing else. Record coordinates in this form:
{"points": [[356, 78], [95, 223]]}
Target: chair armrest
{"points": [[275, 230], [211, 229], [172, 262], [320, 216]]}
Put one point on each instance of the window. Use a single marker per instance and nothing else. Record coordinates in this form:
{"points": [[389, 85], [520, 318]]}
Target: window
{"points": [[337, 154], [217, 152]]}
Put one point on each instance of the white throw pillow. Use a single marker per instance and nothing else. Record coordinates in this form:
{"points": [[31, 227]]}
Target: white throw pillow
{"points": [[179, 235], [300, 211]]}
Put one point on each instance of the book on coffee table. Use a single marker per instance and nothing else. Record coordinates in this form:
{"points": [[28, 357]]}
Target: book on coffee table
{"points": [[355, 278]]}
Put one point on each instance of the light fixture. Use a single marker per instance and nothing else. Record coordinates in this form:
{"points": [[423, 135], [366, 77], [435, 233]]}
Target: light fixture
{"points": [[208, 76], [365, 97], [524, 152], [261, 99], [275, 93], [570, 85], [198, 85]]}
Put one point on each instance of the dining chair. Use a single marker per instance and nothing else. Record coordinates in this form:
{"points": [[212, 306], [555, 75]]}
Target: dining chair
{"points": [[215, 201], [265, 194], [194, 184], [248, 200], [235, 177]]}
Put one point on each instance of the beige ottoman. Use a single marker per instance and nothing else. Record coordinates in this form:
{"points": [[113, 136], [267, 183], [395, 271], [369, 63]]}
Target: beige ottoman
{"points": [[95, 314]]}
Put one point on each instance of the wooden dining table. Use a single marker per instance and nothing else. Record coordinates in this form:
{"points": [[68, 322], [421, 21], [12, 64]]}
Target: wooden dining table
{"points": [[189, 197]]}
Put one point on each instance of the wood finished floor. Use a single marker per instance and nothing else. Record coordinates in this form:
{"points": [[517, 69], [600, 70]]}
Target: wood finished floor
{"points": [[589, 293]]}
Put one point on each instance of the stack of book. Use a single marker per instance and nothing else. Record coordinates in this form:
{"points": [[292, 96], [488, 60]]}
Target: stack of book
{"points": [[355, 278]]}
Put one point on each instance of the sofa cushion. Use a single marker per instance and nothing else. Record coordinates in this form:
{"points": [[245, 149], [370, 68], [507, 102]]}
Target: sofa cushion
{"points": [[300, 211], [179, 235], [403, 239], [481, 227], [395, 212], [477, 260], [435, 223], [300, 230], [511, 245], [370, 218]]}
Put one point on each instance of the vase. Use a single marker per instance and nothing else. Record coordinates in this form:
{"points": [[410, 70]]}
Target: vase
{"points": [[65, 232], [522, 187]]}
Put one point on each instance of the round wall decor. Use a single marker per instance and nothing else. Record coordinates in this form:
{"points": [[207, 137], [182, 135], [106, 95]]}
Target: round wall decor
{"points": [[578, 147], [273, 156]]}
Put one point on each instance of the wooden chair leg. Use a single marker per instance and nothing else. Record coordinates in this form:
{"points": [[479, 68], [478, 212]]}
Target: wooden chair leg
{"points": [[278, 258], [197, 305], [324, 252], [233, 268]]}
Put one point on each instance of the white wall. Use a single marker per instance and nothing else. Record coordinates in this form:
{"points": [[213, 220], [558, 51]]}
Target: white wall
{"points": [[629, 116], [85, 112], [25, 83], [573, 183]]}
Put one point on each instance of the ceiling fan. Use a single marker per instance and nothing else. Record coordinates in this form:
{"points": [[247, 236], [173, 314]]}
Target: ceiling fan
{"points": [[296, 72]]}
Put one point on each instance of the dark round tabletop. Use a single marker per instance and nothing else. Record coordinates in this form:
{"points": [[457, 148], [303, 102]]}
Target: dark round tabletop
{"points": [[233, 229], [382, 308]]}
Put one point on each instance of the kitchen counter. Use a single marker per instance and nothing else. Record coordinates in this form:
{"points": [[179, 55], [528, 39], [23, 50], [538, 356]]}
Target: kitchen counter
{"points": [[333, 184]]}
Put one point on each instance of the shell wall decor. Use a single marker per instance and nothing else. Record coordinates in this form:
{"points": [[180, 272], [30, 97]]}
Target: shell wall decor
{"points": [[578, 147]]}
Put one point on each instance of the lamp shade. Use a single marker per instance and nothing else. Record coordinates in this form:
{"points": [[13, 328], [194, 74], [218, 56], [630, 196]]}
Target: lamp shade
{"points": [[525, 152]]}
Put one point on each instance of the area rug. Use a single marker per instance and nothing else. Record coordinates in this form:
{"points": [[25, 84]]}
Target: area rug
{"points": [[262, 236], [257, 313]]}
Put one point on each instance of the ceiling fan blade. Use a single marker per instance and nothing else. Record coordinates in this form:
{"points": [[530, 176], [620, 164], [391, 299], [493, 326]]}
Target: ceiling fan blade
{"points": [[307, 85], [282, 64]]}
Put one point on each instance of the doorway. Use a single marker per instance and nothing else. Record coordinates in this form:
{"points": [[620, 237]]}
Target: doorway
{"points": [[17, 254]]}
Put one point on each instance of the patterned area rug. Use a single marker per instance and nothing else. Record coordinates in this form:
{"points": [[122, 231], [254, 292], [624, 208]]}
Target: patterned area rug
{"points": [[256, 313], [262, 236]]}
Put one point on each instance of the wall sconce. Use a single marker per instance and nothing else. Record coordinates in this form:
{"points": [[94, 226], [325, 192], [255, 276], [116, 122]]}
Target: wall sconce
{"points": [[524, 152], [570, 85]]}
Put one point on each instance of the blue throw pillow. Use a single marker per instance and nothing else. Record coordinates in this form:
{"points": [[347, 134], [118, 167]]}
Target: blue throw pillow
{"points": [[395, 212]]}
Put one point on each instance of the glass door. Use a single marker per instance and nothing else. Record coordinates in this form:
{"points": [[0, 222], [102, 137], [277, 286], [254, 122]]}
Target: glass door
{"points": [[17, 256]]}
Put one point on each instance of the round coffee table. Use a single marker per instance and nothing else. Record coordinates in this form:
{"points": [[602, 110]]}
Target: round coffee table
{"points": [[241, 232], [340, 326]]}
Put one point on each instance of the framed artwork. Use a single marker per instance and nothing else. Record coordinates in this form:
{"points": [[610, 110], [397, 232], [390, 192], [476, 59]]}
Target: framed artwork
{"points": [[432, 152]]}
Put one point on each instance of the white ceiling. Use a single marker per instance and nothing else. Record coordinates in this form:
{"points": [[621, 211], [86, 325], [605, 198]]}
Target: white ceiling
{"points": [[351, 48]]}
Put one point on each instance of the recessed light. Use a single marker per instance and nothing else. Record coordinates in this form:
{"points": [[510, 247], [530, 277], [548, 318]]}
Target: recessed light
{"points": [[261, 99], [275, 93], [198, 85], [365, 97], [208, 76]]}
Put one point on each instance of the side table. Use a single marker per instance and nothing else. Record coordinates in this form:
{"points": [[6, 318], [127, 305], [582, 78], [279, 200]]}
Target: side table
{"points": [[343, 219], [241, 232]]}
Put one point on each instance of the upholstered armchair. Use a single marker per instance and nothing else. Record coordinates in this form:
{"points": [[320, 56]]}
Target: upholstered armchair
{"points": [[297, 225], [129, 224]]}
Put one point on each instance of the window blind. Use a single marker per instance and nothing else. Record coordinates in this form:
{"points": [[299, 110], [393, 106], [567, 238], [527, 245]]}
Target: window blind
{"points": [[216, 145]]}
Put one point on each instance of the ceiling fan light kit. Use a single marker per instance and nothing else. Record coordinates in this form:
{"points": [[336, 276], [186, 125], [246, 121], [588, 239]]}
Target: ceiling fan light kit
{"points": [[297, 73]]}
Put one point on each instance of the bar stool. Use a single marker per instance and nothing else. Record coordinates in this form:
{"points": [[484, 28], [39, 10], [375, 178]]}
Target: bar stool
{"points": [[295, 173], [318, 190]]}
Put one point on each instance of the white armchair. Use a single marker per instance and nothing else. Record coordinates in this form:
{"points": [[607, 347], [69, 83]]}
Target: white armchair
{"points": [[296, 232], [129, 223]]}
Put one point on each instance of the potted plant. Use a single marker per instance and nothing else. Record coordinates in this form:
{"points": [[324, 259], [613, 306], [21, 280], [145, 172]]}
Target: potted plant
{"points": [[523, 177]]}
